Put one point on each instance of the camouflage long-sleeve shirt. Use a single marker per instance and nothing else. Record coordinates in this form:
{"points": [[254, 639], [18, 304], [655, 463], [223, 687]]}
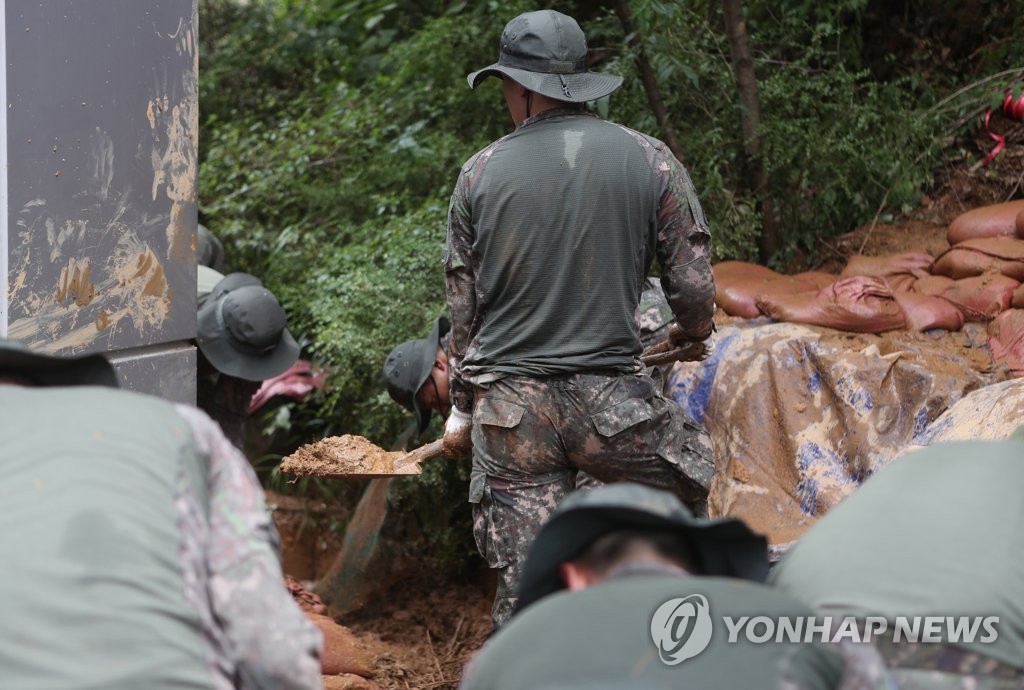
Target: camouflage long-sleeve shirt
{"points": [[551, 232], [261, 638]]}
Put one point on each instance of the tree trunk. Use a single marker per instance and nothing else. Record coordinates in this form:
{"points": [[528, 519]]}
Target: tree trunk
{"points": [[750, 100], [649, 82]]}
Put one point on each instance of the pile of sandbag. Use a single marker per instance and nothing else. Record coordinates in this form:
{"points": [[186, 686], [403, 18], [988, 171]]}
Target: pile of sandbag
{"points": [[978, 279]]}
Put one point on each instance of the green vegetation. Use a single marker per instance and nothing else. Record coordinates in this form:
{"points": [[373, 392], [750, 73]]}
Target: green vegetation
{"points": [[332, 132]]}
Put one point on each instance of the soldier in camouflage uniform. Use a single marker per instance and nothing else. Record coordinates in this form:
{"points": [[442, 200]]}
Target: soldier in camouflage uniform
{"points": [[936, 533], [137, 548], [416, 371], [551, 232], [243, 340]]}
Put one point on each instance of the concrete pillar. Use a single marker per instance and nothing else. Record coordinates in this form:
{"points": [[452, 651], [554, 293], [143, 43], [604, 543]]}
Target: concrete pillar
{"points": [[98, 159]]}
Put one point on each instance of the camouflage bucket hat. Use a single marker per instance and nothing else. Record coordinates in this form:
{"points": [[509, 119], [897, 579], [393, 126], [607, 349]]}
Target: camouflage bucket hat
{"points": [[241, 330], [723, 547], [408, 367], [546, 52], [51, 370]]}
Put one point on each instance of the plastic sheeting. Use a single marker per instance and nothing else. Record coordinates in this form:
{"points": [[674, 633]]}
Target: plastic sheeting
{"points": [[800, 415], [991, 413]]}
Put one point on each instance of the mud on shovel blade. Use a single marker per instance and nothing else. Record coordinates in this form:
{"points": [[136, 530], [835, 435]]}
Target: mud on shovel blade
{"points": [[354, 457]]}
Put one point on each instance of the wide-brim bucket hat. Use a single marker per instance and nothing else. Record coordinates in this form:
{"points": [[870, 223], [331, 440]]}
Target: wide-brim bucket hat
{"points": [[546, 52], [241, 330], [723, 547], [408, 367], [54, 370]]}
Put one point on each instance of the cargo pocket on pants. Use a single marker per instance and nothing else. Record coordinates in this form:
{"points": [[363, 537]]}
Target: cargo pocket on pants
{"points": [[617, 418], [490, 536], [498, 413], [687, 447]]}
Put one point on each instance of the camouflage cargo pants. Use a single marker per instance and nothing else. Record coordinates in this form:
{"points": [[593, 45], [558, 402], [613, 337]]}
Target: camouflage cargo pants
{"points": [[531, 437]]}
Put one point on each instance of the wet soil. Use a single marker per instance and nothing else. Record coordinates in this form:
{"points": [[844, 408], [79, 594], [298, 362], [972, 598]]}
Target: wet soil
{"points": [[340, 455], [424, 634]]}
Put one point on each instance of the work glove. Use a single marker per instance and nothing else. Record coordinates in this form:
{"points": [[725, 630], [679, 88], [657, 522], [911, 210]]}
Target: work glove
{"points": [[458, 441], [688, 349]]}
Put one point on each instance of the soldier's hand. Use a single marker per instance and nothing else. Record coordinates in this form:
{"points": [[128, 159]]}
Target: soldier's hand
{"points": [[689, 349], [458, 441]]}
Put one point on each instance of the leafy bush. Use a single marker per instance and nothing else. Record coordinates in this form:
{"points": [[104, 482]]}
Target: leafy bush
{"points": [[836, 144]]}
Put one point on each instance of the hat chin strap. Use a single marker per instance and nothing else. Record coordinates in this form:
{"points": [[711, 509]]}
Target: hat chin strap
{"points": [[529, 99], [565, 87]]}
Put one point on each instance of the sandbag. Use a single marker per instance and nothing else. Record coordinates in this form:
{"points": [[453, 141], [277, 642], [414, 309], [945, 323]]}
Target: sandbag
{"points": [[307, 601], [738, 283], [343, 653], [857, 304], [891, 265], [983, 297], [996, 220], [991, 254], [925, 312], [1017, 299], [931, 285], [901, 282], [1006, 340]]}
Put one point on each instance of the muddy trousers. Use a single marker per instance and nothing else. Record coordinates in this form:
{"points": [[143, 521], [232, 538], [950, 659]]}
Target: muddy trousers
{"points": [[532, 436]]}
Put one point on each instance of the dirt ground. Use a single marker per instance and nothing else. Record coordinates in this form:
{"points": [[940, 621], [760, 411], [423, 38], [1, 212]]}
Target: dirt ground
{"points": [[423, 633], [423, 637]]}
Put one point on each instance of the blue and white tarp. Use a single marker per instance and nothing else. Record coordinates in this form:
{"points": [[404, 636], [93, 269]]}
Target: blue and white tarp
{"points": [[799, 415]]}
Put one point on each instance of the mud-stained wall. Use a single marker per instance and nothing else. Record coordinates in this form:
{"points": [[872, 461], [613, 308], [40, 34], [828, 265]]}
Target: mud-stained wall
{"points": [[102, 128]]}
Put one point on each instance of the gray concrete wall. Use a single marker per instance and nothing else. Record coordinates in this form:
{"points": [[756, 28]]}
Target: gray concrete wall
{"points": [[99, 208]]}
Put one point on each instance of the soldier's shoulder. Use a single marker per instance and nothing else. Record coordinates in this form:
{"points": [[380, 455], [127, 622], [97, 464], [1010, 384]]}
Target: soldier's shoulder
{"points": [[645, 141], [479, 159]]}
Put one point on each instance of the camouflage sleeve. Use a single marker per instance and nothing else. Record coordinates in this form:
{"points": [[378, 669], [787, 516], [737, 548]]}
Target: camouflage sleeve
{"points": [[684, 249], [460, 289], [264, 635], [864, 667]]}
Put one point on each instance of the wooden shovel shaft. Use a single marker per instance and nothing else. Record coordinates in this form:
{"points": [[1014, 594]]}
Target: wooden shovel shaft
{"points": [[413, 457]]}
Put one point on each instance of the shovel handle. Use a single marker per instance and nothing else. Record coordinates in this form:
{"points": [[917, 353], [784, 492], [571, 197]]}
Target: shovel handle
{"points": [[414, 457]]}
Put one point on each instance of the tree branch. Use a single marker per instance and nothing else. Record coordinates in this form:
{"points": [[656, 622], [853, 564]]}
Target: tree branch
{"points": [[647, 77]]}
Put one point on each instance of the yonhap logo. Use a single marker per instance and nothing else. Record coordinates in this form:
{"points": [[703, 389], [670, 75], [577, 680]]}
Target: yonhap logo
{"points": [[681, 628]]}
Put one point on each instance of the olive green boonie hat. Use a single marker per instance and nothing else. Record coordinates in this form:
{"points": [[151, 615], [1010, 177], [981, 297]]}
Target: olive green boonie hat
{"points": [[52, 370], [546, 52], [408, 367], [241, 330], [723, 547]]}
